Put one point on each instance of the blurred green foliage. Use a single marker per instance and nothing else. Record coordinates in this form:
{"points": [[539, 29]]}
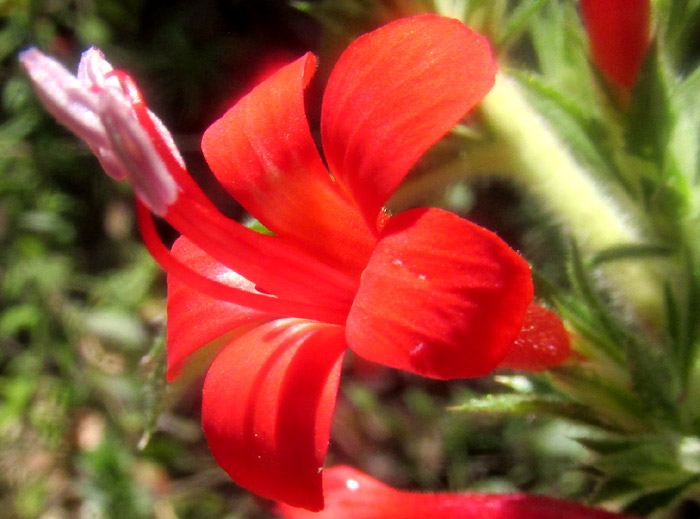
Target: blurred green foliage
{"points": [[82, 309], [88, 426]]}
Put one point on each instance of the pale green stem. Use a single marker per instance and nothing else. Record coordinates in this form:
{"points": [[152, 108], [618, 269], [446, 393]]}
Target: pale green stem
{"points": [[451, 8], [543, 164], [483, 159]]}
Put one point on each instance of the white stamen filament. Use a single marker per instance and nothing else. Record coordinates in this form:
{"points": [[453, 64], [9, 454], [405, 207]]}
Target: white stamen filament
{"points": [[94, 106], [134, 149]]}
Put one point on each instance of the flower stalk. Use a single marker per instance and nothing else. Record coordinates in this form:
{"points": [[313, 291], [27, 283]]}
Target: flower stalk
{"points": [[542, 164]]}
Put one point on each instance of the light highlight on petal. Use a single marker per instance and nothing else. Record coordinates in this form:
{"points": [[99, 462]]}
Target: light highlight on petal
{"points": [[195, 319], [350, 494]]}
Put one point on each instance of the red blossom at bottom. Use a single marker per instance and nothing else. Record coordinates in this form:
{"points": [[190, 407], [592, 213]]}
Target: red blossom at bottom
{"points": [[350, 494]]}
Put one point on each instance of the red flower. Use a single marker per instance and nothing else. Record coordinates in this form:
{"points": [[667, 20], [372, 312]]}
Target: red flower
{"points": [[352, 494], [424, 291], [619, 32]]}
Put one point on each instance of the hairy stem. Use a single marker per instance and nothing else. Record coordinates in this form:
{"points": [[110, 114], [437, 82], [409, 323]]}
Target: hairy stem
{"points": [[542, 163]]}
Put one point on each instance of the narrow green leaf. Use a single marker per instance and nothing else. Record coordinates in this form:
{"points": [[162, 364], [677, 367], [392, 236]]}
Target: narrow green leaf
{"points": [[632, 251], [677, 13], [689, 102], [541, 91], [503, 404], [689, 343], [650, 116], [673, 319], [512, 404], [591, 471], [606, 445], [613, 488], [601, 312], [558, 42], [574, 310], [518, 383], [588, 137], [652, 501], [653, 377], [518, 21], [689, 88], [613, 405], [154, 389], [255, 225], [677, 19]]}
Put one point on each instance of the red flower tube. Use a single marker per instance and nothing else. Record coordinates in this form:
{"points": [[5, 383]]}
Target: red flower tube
{"points": [[424, 290], [352, 494], [619, 33]]}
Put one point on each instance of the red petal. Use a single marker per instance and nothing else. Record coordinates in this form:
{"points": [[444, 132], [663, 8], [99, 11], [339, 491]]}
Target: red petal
{"points": [[395, 92], [267, 407], [262, 151], [543, 342], [619, 32], [352, 494], [195, 319], [440, 297]]}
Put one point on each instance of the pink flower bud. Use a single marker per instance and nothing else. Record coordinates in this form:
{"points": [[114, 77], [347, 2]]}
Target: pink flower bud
{"points": [[96, 106]]}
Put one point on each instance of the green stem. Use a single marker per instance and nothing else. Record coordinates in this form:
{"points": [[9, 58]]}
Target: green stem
{"points": [[544, 165], [481, 160]]}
